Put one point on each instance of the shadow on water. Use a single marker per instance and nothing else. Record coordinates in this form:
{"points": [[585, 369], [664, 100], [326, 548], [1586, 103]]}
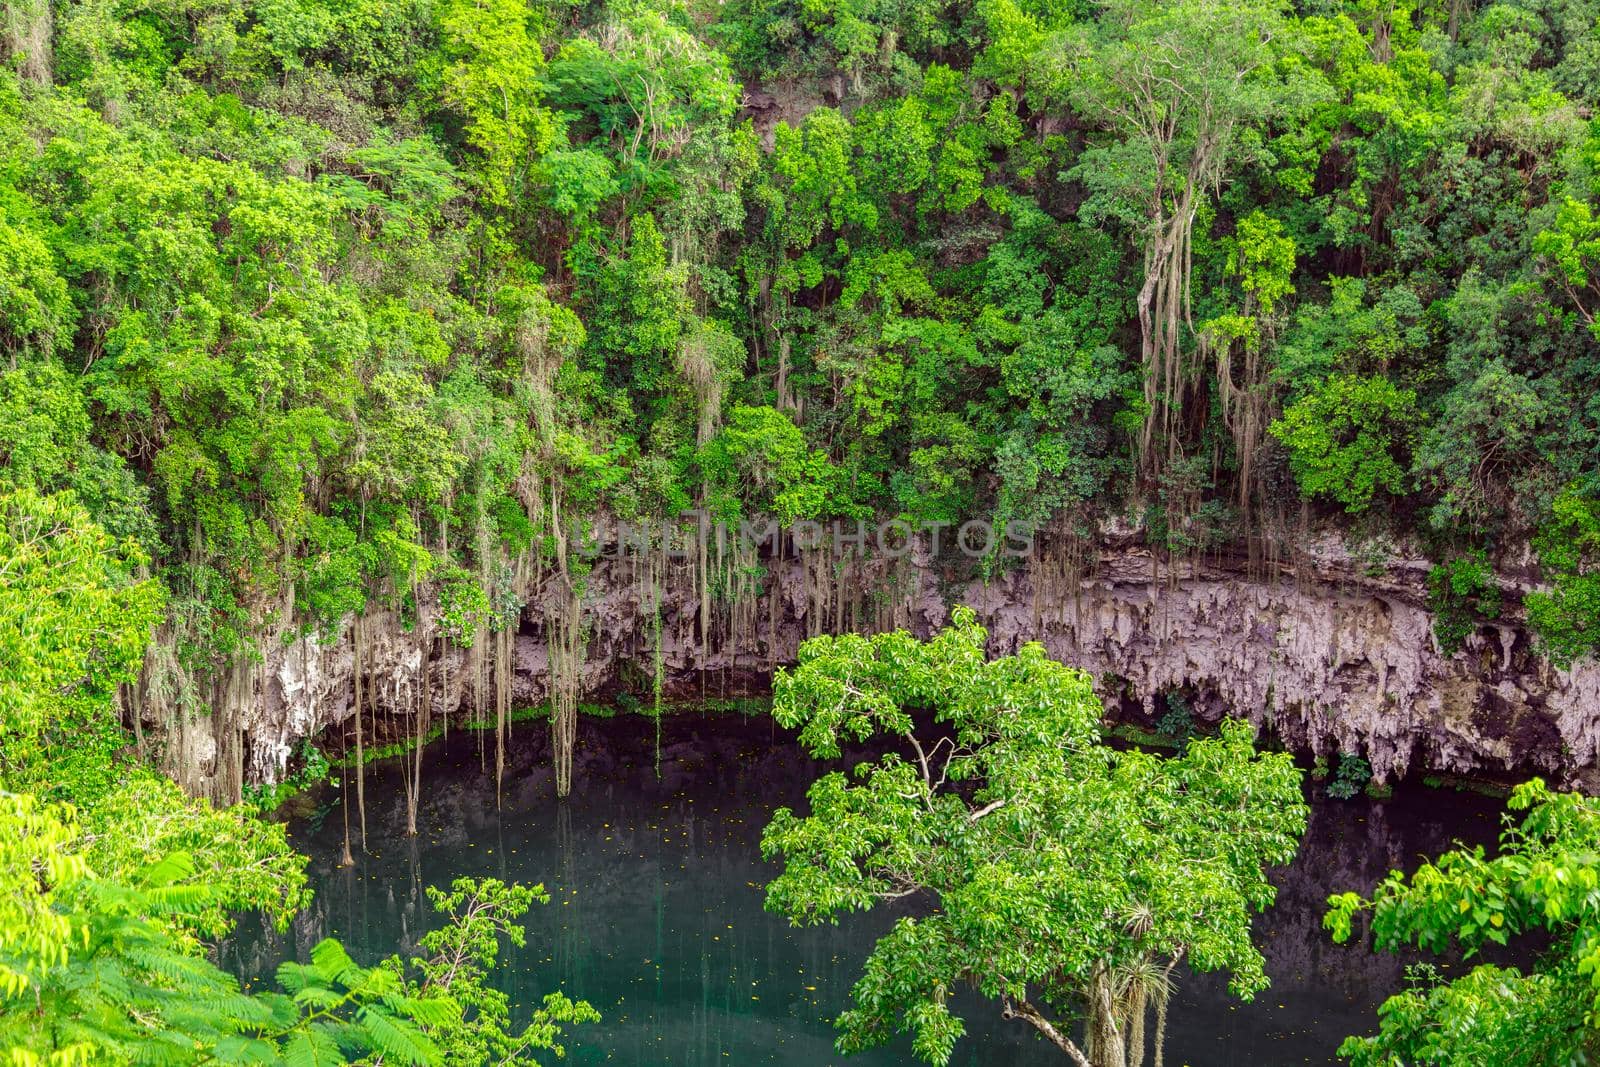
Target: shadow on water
{"points": [[656, 918]]}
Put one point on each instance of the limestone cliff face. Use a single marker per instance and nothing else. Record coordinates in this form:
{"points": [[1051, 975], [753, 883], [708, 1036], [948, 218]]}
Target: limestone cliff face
{"points": [[1331, 658], [1334, 652]]}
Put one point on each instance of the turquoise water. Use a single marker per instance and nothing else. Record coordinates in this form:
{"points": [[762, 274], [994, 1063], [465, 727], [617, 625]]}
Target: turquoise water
{"points": [[656, 912]]}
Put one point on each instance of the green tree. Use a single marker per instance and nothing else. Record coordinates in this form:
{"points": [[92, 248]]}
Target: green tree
{"points": [[1572, 247], [1185, 90], [1541, 885], [1350, 439], [76, 624], [983, 821], [488, 67], [647, 83], [1462, 592], [1566, 616], [456, 961], [639, 321], [36, 314], [866, 41], [1476, 455], [97, 970], [73, 616], [760, 461]]}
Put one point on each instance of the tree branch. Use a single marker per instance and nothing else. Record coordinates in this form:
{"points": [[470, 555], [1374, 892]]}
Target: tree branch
{"points": [[986, 809], [1021, 1009]]}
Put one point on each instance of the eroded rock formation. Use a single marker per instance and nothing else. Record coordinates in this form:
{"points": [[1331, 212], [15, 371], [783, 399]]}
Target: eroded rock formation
{"points": [[1334, 652]]}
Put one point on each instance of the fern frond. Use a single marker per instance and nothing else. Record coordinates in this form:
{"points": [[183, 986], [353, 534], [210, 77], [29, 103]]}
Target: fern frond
{"points": [[435, 1012], [168, 870], [295, 976], [332, 963], [396, 1038], [312, 1049]]}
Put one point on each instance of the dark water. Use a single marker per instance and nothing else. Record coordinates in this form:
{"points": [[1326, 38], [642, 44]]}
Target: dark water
{"points": [[656, 916]]}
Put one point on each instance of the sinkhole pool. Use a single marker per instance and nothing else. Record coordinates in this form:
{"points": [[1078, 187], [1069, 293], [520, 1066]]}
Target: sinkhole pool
{"points": [[656, 912]]}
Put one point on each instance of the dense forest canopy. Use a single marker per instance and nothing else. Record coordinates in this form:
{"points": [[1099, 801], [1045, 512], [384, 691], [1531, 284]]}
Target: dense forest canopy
{"points": [[316, 310], [320, 304]]}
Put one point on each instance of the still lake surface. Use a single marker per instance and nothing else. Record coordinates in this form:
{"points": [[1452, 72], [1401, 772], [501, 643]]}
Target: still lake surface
{"points": [[656, 903]]}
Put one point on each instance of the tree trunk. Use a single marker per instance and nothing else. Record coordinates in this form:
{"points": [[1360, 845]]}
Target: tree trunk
{"points": [[1133, 1020], [1161, 1032], [1107, 1038], [1163, 997]]}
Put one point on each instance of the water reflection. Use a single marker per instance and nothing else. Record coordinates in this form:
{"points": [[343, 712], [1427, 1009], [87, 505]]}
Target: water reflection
{"points": [[655, 914]]}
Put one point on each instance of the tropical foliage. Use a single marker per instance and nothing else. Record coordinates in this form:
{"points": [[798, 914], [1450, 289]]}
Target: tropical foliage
{"points": [[312, 310], [1539, 889], [99, 970], [321, 307], [980, 816], [113, 883]]}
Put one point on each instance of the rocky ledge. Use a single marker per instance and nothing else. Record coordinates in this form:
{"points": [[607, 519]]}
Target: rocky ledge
{"points": [[1334, 651]]}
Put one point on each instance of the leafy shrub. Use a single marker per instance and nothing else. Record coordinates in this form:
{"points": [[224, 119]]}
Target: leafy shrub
{"points": [[1566, 617], [1178, 721], [1351, 777], [1461, 593], [463, 606], [1349, 439]]}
